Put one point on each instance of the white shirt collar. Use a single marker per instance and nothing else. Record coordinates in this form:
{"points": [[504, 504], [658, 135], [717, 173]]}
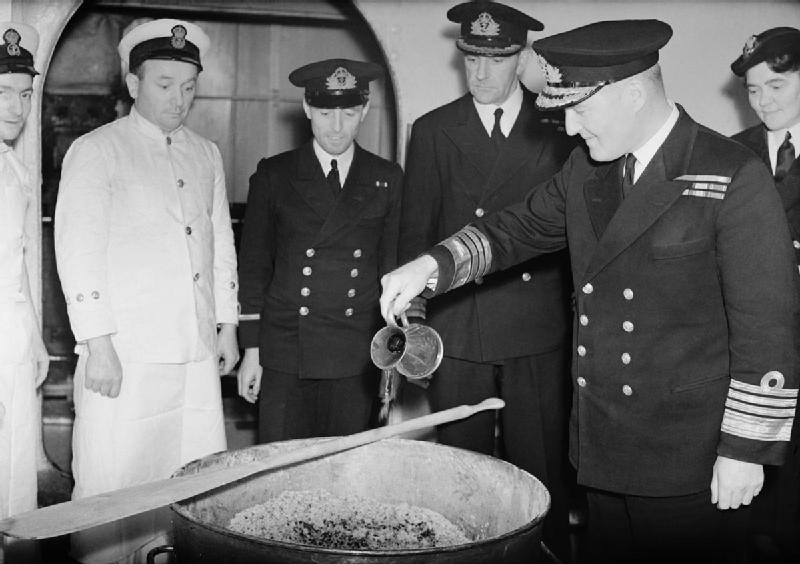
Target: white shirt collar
{"points": [[646, 152], [511, 108], [775, 138], [343, 161]]}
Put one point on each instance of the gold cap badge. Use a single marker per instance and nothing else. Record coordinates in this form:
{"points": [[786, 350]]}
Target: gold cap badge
{"points": [[178, 40], [12, 39], [341, 79], [485, 25]]}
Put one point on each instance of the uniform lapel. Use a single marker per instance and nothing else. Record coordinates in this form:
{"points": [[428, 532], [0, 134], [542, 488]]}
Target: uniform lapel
{"points": [[522, 145], [602, 195], [653, 194], [308, 180], [358, 190], [471, 139]]}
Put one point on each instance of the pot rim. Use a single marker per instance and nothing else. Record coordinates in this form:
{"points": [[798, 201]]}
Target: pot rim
{"points": [[252, 539]]}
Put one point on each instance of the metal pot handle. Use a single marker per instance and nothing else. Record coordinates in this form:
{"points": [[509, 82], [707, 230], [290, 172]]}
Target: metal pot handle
{"points": [[163, 549]]}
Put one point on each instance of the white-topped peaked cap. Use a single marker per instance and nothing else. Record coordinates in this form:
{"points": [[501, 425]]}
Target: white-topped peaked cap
{"points": [[165, 39], [18, 48]]}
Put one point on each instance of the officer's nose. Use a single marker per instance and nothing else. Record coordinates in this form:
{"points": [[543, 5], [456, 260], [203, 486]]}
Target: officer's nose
{"points": [[764, 98], [179, 98], [15, 106], [571, 122], [337, 119], [483, 69]]}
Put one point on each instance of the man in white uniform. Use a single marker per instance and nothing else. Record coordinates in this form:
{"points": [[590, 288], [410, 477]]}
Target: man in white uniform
{"points": [[145, 253], [23, 358]]}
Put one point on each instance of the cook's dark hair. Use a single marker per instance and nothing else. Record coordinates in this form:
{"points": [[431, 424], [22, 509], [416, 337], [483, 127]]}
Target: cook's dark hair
{"points": [[788, 61]]}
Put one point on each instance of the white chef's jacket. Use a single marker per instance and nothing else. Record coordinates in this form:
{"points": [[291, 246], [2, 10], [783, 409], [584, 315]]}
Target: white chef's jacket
{"points": [[144, 243], [20, 339], [21, 343]]}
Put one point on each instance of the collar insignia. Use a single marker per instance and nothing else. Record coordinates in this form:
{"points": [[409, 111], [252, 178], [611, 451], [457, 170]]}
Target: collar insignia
{"points": [[485, 25], [12, 39], [341, 79], [178, 40], [750, 46]]}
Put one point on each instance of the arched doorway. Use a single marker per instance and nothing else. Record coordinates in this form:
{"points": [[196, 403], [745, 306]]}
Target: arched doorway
{"points": [[245, 104]]}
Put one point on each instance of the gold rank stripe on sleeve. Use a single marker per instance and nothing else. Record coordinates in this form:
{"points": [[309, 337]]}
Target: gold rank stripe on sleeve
{"points": [[249, 316], [472, 255], [761, 413]]}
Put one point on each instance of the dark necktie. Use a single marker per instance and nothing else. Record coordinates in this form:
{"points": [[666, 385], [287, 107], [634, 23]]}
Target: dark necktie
{"points": [[786, 158], [333, 179], [497, 133], [627, 178]]}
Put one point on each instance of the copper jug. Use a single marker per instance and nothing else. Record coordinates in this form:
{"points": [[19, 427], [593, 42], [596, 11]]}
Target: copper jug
{"points": [[415, 350]]}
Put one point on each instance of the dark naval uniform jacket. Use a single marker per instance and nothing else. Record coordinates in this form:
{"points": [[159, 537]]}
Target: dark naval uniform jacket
{"points": [[452, 178], [755, 138], [686, 308], [310, 263]]}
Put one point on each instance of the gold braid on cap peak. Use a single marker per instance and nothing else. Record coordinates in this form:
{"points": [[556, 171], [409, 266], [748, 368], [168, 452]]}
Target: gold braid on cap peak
{"points": [[551, 74]]}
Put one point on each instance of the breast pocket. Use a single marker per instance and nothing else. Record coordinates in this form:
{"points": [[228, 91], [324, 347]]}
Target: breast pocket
{"points": [[681, 250]]}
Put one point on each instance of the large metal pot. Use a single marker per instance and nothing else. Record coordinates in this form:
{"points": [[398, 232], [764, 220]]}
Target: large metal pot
{"points": [[496, 503]]}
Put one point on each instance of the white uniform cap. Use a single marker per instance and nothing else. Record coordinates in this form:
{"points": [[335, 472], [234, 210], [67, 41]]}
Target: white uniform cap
{"points": [[19, 44], [168, 39]]}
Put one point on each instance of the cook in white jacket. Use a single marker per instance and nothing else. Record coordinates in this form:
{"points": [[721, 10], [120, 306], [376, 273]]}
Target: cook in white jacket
{"points": [[145, 253], [23, 358]]}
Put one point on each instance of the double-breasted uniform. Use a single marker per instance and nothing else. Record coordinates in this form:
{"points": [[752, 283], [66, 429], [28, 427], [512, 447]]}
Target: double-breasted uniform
{"points": [[777, 511], [310, 267], [686, 309], [21, 345], [507, 334], [454, 176]]}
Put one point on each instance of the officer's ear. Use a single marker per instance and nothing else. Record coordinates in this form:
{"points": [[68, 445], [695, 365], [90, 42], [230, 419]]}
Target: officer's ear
{"points": [[132, 82], [364, 111], [636, 93], [306, 108], [522, 60]]}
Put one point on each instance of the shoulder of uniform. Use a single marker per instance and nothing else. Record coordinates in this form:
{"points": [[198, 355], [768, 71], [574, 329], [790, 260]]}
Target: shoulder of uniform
{"points": [[719, 155], [752, 137], [444, 113], [723, 149], [714, 164], [377, 161], [196, 137], [116, 127], [748, 133], [281, 161]]}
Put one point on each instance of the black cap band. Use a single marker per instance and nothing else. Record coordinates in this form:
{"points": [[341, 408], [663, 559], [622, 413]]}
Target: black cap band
{"points": [[336, 98], [162, 48]]}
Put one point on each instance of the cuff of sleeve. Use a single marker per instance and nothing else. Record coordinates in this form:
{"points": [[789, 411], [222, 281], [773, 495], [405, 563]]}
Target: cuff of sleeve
{"points": [[87, 325], [248, 333], [748, 450], [447, 268], [227, 307]]}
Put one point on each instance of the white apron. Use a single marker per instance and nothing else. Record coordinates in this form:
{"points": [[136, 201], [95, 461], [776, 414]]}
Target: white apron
{"points": [[18, 432], [20, 344], [165, 416]]}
